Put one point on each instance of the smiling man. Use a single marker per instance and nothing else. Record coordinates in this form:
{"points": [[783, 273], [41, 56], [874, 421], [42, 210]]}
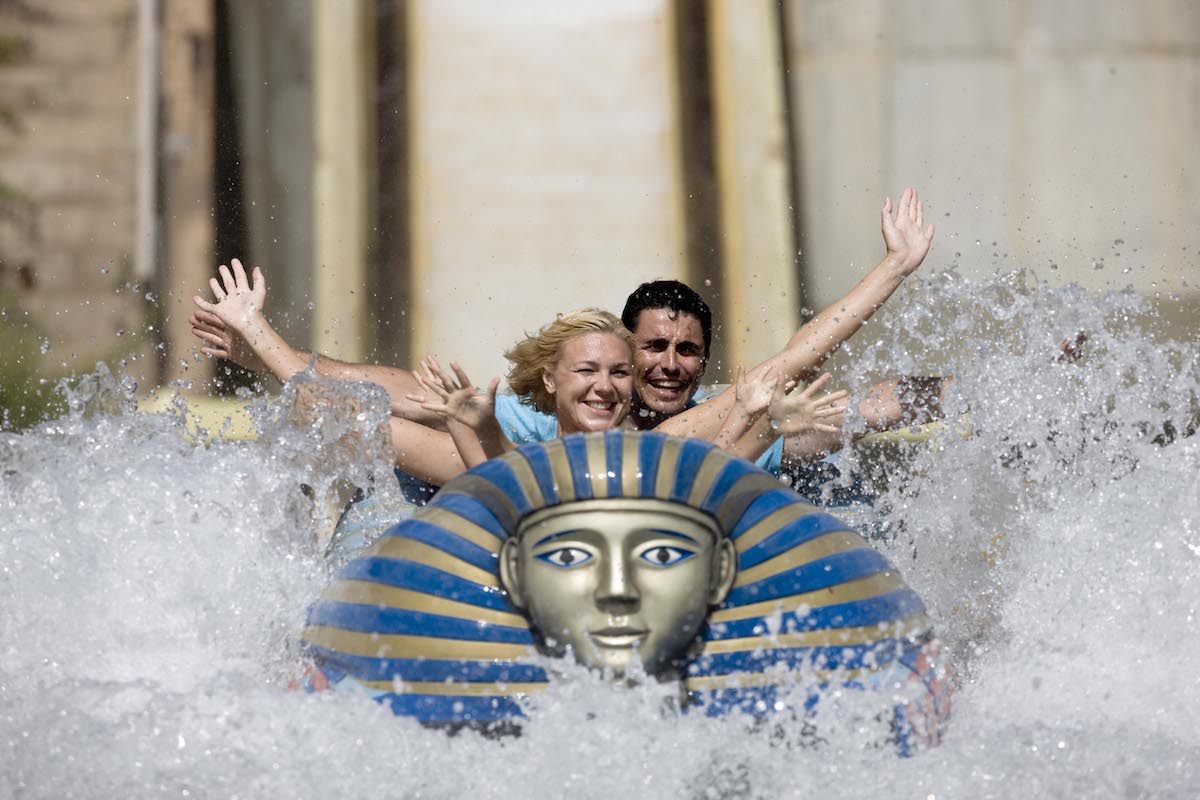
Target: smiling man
{"points": [[672, 327]]}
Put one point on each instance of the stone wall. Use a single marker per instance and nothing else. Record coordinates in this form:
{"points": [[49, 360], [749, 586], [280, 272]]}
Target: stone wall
{"points": [[1055, 136], [68, 168]]}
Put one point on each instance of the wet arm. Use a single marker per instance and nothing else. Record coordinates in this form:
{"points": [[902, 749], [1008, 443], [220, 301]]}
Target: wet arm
{"points": [[425, 453], [907, 244]]}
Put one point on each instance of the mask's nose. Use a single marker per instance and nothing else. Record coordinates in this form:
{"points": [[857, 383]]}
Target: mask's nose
{"points": [[617, 592]]}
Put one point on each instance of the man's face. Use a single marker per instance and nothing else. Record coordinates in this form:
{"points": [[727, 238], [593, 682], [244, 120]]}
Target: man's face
{"points": [[618, 581], [669, 360]]}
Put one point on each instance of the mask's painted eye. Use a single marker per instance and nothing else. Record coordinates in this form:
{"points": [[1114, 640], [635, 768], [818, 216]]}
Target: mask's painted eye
{"points": [[663, 556], [565, 557]]}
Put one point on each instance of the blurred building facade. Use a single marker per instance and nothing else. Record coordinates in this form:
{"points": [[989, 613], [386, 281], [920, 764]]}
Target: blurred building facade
{"points": [[440, 176]]}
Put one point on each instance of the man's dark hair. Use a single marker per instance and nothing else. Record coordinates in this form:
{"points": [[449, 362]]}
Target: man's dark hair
{"points": [[673, 296]]}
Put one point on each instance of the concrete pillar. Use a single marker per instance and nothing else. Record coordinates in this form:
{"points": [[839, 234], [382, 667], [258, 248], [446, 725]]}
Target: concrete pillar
{"points": [[343, 99], [759, 304], [187, 170], [545, 166]]}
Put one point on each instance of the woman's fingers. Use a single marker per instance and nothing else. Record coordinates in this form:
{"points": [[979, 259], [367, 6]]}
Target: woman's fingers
{"points": [[463, 381], [227, 281], [239, 275], [217, 290]]}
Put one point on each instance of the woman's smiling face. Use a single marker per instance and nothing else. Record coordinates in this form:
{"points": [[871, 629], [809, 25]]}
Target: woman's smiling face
{"points": [[592, 382]]}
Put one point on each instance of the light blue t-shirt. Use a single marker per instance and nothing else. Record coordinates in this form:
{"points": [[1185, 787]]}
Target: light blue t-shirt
{"points": [[523, 423]]}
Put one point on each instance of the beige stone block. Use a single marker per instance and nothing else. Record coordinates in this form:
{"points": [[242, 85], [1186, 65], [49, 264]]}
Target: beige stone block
{"points": [[51, 132], [47, 178], [84, 45], [85, 225], [1099, 24], [953, 27], [842, 131], [70, 90], [1111, 147], [72, 11], [81, 327], [540, 186], [837, 25], [58, 268], [954, 139]]}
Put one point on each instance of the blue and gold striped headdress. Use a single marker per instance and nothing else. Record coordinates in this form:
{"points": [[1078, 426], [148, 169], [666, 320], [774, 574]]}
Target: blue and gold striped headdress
{"points": [[419, 619]]}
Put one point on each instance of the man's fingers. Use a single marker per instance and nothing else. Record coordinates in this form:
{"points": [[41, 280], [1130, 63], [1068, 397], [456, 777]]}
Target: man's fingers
{"points": [[200, 324], [200, 333], [434, 374], [812, 388], [834, 398], [437, 389], [207, 317]]}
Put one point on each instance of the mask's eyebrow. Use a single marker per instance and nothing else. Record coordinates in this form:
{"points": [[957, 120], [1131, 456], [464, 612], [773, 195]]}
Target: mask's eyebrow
{"points": [[559, 535], [675, 534]]}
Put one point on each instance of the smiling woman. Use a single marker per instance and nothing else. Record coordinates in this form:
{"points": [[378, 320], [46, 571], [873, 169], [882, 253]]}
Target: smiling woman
{"points": [[578, 368]]}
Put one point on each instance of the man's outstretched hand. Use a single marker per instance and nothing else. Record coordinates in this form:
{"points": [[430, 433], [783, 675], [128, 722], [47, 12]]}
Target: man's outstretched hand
{"points": [[905, 236]]}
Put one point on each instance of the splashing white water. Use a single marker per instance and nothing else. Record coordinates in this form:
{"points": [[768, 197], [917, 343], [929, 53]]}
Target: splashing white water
{"points": [[151, 588]]}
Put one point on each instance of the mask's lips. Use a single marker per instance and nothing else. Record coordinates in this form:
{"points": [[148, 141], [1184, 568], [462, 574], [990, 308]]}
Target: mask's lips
{"points": [[615, 638]]}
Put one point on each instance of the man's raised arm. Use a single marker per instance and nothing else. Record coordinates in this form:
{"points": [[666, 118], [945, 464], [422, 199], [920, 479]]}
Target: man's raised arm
{"points": [[907, 243]]}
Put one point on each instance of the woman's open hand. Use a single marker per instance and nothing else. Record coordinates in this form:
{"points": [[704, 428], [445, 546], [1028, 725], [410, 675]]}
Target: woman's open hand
{"points": [[455, 399], [804, 411]]}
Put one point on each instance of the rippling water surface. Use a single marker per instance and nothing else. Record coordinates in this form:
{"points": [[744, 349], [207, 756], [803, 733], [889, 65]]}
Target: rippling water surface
{"points": [[151, 588]]}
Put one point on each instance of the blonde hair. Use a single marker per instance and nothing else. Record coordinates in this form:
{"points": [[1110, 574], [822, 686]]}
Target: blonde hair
{"points": [[541, 351]]}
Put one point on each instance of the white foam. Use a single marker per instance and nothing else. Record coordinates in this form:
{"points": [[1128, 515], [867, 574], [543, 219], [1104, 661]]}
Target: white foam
{"points": [[150, 589]]}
